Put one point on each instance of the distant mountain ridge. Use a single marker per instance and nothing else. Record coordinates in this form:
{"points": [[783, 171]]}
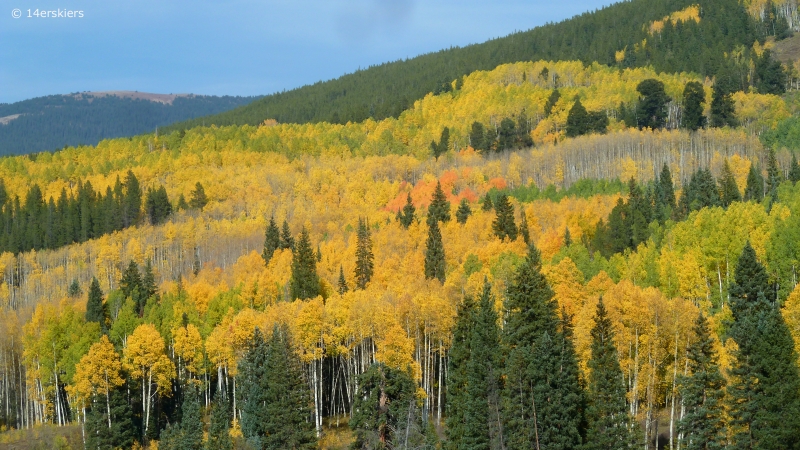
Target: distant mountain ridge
{"points": [[86, 118]]}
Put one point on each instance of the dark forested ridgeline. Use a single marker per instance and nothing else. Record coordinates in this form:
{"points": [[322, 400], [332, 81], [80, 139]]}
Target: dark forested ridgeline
{"points": [[616, 35], [52, 122]]}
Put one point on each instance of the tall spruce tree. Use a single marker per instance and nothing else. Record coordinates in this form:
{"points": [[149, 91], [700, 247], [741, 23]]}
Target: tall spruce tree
{"points": [[754, 191], [487, 203], [503, 224], [693, 98], [434, 253], [702, 393], [774, 175], [191, 420], [364, 257], [253, 390], [665, 204], [95, 308], [794, 170], [607, 412], [477, 137], [458, 357], [286, 240], [132, 203], [463, 212], [651, 111], [729, 191], [149, 287], [304, 283], [577, 120], [523, 227], [342, 284], [722, 105], [219, 437], [542, 393], [406, 215], [198, 198], [272, 240], [764, 397], [439, 209]]}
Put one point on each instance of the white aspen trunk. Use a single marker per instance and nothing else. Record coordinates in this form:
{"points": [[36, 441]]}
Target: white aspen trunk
{"points": [[672, 406]]}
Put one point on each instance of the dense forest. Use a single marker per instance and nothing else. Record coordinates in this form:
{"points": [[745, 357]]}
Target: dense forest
{"points": [[543, 254], [626, 34], [56, 121]]}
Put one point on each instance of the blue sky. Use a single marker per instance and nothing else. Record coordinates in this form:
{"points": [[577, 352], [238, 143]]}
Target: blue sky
{"points": [[238, 47]]}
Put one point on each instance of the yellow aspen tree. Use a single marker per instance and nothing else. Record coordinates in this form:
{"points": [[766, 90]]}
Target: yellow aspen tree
{"points": [[97, 373]]}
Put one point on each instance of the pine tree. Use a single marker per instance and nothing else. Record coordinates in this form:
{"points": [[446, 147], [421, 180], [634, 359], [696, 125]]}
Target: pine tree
{"points": [[722, 107], [253, 390], [458, 358], [555, 96], [607, 413], [95, 308], [651, 110], [191, 421], [132, 203], [794, 170], [198, 199], [774, 175], [406, 217], [702, 393], [131, 279], [577, 120], [437, 149], [364, 257], [148, 287], [665, 205], [182, 205], [487, 203], [693, 98], [482, 419], [304, 283], [523, 227], [754, 191], [729, 191], [342, 288], [764, 397], [503, 224], [286, 240], [219, 437], [463, 212], [74, 289], [434, 253], [477, 137], [567, 237], [542, 391], [123, 430], [439, 209], [271, 240], [157, 205]]}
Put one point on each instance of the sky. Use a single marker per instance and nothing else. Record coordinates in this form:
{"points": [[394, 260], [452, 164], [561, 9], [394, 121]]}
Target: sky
{"points": [[237, 47]]}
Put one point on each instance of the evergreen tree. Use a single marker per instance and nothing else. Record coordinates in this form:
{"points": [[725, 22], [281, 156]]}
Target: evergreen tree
{"points": [[754, 191], [191, 421], [95, 308], [439, 209], [463, 212], [477, 137], [523, 136], [342, 288], [619, 234], [434, 253], [770, 78], [304, 283], [693, 98], [131, 279], [384, 411], [487, 203], [702, 393], [665, 206], [506, 137], [551, 102], [438, 149], [364, 257], [148, 288], [639, 214], [74, 289], [567, 237], [272, 240], [607, 413], [198, 199], [253, 390], [542, 392], [123, 430], [458, 358], [286, 239], [577, 120], [523, 227], [774, 175], [794, 170], [98, 435], [729, 191], [157, 205], [132, 204], [651, 110], [722, 107], [406, 217], [219, 437], [503, 224], [182, 205]]}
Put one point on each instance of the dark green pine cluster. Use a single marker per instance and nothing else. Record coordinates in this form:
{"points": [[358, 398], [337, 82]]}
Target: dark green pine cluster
{"points": [[509, 134]]}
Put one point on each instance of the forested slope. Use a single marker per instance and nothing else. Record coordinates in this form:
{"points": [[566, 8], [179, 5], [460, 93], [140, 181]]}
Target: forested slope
{"points": [[56, 121], [619, 35]]}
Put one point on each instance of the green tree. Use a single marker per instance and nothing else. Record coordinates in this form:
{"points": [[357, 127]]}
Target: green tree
{"points": [[197, 198], [182, 205], [342, 285], [439, 209], [463, 212], [577, 120], [523, 227], [774, 175], [304, 283], [702, 393], [74, 289], [406, 216], [272, 240], [567, 237], [503, 224], [219, 437], [651, 111], [191, 421], [523, 131], [253, 390], [552, 100], [754, 191], [693, 99], [157, 205], [487, 203], [434, 253], [286, 240], [148, 287], [794, 170], [665, 205], [723, 111], [441, 147], [95, 308], [729, 191], [458, 358], [364, 257], [477, 137], [132, 204], [607, 413], [770, 78], [764, 397], [506, 136]]}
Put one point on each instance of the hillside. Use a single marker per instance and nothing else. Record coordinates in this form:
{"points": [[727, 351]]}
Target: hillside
{"points": [[621, 35], [56, 121]]}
